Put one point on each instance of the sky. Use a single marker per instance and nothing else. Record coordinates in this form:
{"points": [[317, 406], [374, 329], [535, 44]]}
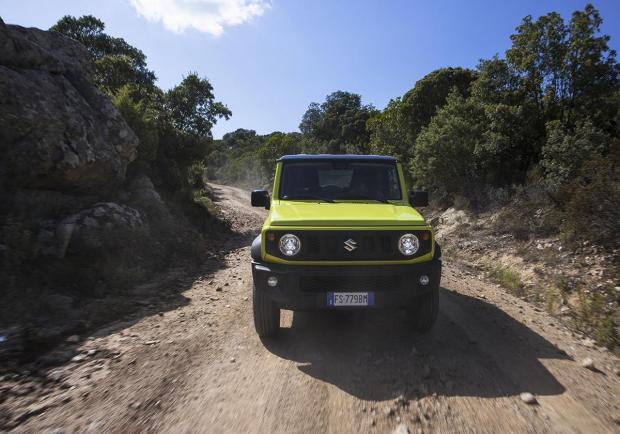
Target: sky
{"points": [[268, 60]]}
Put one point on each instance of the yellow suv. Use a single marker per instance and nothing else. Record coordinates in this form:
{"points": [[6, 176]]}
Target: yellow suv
{"points": [[343, 233]]}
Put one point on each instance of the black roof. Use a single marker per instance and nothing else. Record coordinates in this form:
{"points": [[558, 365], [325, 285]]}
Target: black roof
{"points": [[297, 157]]}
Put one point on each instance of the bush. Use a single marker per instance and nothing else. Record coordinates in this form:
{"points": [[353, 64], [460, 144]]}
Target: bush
{"points": [[445, 150], [141, 120], [592, 211], [509, 279], [565, 151], [470, 144]]}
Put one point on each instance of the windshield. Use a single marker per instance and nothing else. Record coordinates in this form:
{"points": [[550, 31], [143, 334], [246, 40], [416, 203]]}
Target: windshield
{"points": [[339, 180]]}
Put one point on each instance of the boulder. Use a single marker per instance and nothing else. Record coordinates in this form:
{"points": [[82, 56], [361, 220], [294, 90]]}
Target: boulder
{"points": [[142, 193], [92, 223], [57, 130]]}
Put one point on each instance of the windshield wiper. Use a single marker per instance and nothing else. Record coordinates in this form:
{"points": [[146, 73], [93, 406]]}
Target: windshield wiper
{"points": [[362, 197], [308, 197]]}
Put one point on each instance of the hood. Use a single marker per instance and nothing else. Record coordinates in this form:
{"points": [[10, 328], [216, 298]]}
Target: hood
{"points": [[293, 213]]}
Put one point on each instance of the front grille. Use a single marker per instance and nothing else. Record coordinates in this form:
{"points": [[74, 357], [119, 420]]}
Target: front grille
{"points": [[349, 283], [329, 245]]}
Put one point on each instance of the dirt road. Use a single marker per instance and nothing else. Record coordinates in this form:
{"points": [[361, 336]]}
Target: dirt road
{"points": [[195, 364]]}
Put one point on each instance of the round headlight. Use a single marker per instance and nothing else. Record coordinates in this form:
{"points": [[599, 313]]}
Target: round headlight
{"points": [[290, 245], [408, 244]]}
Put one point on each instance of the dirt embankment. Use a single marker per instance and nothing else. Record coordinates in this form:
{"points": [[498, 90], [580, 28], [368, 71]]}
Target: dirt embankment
{"points": [[198, 366]]}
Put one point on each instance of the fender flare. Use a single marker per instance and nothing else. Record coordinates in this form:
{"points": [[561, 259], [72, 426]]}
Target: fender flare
{"points": [[255, 250], [437, 251]]}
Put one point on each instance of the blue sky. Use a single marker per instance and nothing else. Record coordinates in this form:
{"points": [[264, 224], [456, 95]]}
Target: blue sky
{"points": [[269, 60]]}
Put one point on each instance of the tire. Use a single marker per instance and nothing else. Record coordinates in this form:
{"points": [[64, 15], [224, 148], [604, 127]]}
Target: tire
{"points": [[266, 314], [427, 310]]}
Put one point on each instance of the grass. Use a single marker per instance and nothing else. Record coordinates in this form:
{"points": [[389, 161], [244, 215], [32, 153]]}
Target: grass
{"points": [[592, 316], [508, 278]]}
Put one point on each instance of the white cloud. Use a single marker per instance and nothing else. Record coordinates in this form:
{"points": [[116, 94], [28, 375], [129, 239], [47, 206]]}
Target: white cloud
{"points": [[209, 16]]}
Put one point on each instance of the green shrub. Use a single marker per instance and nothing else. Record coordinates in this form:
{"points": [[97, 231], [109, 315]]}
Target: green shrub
{"points": [[509, 279], [141, 120], [565, 151], [592, 211]]}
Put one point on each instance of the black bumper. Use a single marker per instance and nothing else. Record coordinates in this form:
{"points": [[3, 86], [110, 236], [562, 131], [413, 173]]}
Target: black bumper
{"points": [[303, 287]]}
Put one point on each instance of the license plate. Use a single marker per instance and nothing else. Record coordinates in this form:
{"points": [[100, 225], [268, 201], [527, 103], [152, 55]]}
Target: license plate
{"points": [[335, 299]]}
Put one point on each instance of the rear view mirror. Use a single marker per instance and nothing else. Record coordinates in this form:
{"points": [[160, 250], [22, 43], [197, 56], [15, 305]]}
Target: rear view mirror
{"points": [[261, 198], [418, 198]]}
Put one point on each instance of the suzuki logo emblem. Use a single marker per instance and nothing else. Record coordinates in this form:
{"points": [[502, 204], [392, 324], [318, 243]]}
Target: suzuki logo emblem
{"points": [[350, 245]]}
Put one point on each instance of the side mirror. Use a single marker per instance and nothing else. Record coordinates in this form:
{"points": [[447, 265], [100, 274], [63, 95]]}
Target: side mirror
{"points": [[261, 198], [418, 198]]}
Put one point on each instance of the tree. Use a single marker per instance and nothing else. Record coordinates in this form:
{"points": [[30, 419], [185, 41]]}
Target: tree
{"points": [[445, 150], [117, 63], [276, 145], [566, 70], [429, 94], [339, 123], [389, 134], [143, 121], [469, 144], [240, 141], [394, 131], [192, 106], [566, 150], [497, 83]]}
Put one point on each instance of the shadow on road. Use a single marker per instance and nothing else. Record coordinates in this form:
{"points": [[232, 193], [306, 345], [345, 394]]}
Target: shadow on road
{"points": [[476, 349]]}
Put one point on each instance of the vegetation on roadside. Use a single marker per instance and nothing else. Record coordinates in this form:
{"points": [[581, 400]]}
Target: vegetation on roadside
{"points": [[537, 129], [174, 126], [68, 247], [508, 278]]}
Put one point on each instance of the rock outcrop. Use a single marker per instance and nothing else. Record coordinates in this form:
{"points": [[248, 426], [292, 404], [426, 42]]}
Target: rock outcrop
{"points": [[64, 154], [57, 130], [76, 232]]}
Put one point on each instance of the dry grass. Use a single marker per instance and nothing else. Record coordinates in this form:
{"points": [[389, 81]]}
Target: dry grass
{"points": [[508, 278]]}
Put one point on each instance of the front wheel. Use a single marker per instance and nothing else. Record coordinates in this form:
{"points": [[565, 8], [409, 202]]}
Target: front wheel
{"points": [[426, 311], [266, 314]]}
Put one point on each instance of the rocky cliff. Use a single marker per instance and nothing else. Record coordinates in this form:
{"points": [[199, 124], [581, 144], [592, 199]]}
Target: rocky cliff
{"points": [[73, 225], [57, 130]]}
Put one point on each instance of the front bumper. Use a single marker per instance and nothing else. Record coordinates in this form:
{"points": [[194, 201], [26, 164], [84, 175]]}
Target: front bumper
{"points": [[304, 287]]}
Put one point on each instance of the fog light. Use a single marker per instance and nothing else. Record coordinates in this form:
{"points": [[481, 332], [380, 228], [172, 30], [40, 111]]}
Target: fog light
{"points": [[272, 281], [424, 280]]}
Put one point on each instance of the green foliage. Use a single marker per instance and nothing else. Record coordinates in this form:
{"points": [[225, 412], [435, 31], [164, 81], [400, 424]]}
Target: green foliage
{"points": [[593, 315], [565, 151], [234, 159], [247, 159], [389, 134], [429, 94], [142, 119], [553, 103], [445, 151], [394, 131], [508, 278], [192, 107], [117, 63], [566, 69], [592, 209], [174, 127], [339, 123], [276, 145]]}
